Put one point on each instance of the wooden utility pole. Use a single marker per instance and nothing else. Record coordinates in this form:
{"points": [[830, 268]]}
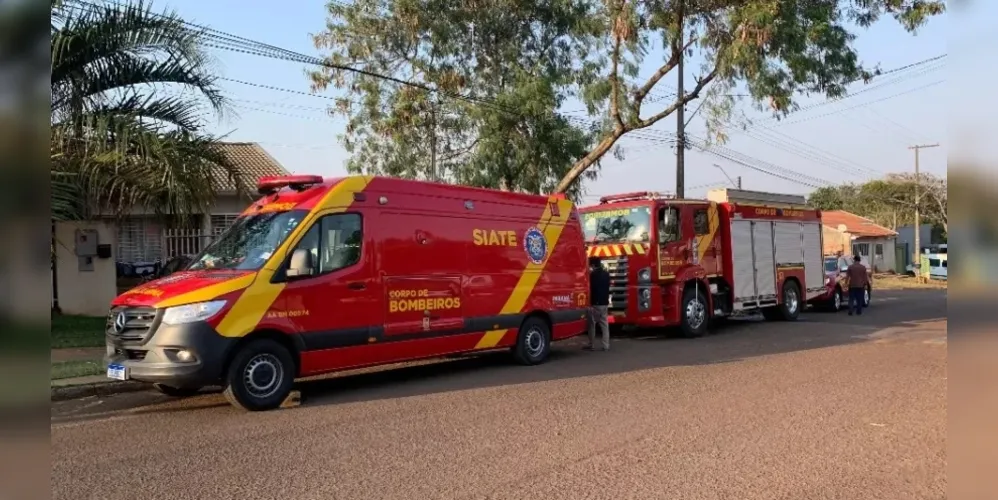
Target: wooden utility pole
{"points": [[918, 215], [680, 122]]}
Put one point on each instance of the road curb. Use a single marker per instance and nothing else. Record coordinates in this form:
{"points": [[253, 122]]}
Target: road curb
{"points": [[67, 392]]}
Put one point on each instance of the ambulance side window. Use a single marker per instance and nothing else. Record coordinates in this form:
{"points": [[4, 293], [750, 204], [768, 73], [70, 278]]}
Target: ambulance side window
{"points": [[339, 242], [668, 225]]}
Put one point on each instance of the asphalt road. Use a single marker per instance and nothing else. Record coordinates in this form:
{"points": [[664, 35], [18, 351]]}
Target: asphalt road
{"points": [[828, 407]]}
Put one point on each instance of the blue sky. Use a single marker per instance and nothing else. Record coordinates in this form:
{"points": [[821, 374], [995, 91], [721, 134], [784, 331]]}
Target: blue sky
{"points": [[848, 140]]}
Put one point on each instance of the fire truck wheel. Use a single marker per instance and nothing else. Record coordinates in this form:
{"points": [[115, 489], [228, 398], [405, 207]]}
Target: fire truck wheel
{"points": [[260, 376], [533, 343], [790, 308], [694, 314], [176, 392]]}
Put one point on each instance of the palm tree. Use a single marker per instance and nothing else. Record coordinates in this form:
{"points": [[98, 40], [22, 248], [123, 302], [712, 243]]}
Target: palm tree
{"points": [[132, 91]]}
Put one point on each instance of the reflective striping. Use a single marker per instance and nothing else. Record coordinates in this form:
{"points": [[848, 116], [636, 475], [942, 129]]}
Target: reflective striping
{"points": [[617, 250], [704, 241], [250, 307], [551, 225], [208, 293]]}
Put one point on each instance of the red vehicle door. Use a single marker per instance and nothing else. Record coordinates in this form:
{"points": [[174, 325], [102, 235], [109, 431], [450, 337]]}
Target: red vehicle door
{"points": [[675, 235], [339, 305]]}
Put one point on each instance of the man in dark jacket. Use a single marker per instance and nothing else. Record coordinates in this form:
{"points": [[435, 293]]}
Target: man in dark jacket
{"points": [[599, 300], [858, 279]]}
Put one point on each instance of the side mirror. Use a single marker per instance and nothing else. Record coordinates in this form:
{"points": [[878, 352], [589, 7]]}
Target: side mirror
{"points": [[301, 264]]}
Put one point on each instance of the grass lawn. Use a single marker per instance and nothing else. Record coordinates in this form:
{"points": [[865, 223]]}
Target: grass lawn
{"points": [[905, 282], [70, 369], [77, 331]]}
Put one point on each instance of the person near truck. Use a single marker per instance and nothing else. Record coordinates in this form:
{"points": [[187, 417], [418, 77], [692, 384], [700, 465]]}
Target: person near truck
{"points": [[858, 280], [599, 297]]}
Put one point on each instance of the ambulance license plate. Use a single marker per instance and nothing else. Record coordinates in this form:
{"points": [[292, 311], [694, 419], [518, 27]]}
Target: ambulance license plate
{"points": [[117, 372]]}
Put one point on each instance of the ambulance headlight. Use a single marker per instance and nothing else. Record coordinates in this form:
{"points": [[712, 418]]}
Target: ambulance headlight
{"points": [[190, 313], [644, 275]]}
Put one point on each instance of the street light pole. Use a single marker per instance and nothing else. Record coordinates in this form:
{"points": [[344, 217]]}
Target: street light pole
{"points": [[918, 215]]}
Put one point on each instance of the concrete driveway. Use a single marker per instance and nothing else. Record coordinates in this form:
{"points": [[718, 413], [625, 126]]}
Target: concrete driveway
{"points": [[830, 406]]}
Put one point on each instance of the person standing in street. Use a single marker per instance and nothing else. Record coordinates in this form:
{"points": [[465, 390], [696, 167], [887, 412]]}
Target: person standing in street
{"points": [[858, 280], [599, 297]]}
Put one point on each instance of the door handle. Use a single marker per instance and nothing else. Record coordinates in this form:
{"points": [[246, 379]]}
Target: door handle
{"points": [[356, 285]]}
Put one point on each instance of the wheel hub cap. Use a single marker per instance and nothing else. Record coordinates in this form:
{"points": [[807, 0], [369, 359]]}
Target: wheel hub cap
{"points": [[792, 301], [695, 313], [263, 375], [534, 342]]}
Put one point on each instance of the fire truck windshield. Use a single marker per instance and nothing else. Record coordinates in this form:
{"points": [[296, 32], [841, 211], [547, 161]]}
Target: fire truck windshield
{"points": [[618, 225], [249, 242]]}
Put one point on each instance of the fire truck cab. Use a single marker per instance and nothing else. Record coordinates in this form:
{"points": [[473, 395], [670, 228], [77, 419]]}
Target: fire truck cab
{"points": [[685, 262]]}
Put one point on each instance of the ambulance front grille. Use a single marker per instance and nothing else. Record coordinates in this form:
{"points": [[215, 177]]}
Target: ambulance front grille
{"points": [[131, 324], [618, 269]]}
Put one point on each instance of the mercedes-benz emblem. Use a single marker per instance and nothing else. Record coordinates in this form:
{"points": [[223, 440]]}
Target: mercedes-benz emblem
{"points": [[119, 323]]}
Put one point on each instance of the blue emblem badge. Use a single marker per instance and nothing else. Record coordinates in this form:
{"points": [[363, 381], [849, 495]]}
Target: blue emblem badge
{"points": [[535, 245]]}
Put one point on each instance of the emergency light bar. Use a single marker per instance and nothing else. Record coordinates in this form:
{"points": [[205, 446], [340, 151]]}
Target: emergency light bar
{"points": [[271, 184], [637, 195]]}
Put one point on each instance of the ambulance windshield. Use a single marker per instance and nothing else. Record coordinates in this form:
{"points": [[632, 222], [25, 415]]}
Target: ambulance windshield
{"points": [[619, 225], [249, 242]]}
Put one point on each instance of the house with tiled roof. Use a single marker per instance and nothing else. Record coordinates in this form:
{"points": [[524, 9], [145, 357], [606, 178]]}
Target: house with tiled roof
{"points": [[143, 238], [854, 235]]}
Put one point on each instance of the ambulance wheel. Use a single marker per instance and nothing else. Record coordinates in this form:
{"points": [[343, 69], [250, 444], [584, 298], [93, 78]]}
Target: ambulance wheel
{"points": [[260, 376], [176, 392], [838, 298], [533, 342], [790, 307], [693, 315]]}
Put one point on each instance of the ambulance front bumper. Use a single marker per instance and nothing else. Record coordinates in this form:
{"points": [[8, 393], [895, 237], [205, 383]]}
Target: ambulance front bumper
{"points": [[190, 355]]}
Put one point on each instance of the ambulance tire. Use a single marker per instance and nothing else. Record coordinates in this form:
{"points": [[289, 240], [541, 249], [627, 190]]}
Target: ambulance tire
{"points": [[250, 390], [533, 342], [694, 320]]}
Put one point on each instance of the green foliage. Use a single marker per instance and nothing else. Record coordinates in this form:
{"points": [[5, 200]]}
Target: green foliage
{"points": [[131, 92], [531, 56], [890, 201]]}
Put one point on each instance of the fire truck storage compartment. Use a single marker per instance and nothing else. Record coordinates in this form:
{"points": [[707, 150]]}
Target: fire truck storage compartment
{"points": [[759, 247], [814, 262]]}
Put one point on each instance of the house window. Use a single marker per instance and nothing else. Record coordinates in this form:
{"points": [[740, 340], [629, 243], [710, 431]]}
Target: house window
{"points": [[221, 222], [879, 249], [861, 249], [701, 224]]}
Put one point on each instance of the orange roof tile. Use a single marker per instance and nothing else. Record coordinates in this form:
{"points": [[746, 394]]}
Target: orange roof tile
{"points": [[251, 161], [855, 225]]}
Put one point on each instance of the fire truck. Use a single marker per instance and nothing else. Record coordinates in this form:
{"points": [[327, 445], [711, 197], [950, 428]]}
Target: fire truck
{"points": [[687, 262]]}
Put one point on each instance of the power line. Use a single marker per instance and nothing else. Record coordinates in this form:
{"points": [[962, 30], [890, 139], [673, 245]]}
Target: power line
{"points": [[226, 41]]}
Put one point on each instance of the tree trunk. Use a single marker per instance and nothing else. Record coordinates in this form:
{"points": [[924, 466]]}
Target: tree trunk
{"points": [[587, 161]]}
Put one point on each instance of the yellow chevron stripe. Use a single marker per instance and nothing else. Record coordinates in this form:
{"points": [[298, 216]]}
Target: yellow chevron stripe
{"points": [[250, 307], [641, 249], [704, 241], [551, 226], [628, 249]]}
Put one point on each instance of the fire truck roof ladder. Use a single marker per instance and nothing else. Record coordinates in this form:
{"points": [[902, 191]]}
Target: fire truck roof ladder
{"points": [[727, 195]]}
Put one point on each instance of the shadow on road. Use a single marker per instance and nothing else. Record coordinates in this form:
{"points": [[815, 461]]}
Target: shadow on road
{"points": [[731, 341]]}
